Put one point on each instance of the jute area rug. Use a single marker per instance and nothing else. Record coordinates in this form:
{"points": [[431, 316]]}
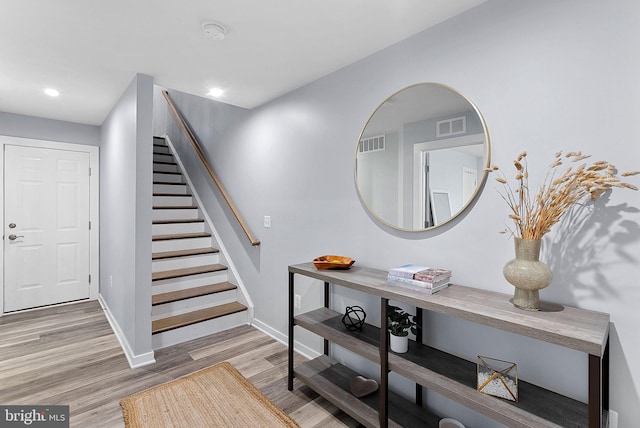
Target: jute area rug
{"points": [[218, 396]]}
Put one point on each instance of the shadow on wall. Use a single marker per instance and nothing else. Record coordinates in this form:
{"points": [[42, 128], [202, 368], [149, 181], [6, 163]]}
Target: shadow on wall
{"points": [[621, 378], [578, 255]]}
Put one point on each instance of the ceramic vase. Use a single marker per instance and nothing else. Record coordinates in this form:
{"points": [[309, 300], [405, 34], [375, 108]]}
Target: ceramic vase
{"points": [[399, 344], [527, 274]]}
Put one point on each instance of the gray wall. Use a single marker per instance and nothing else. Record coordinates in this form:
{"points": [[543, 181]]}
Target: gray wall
{"points": [[17, 125], [125, 213], [546, 75], [378, 180]]}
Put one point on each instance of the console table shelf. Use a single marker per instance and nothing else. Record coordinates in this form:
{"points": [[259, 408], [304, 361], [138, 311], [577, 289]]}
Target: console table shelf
{"points": [[451, 376], [331, 380]]}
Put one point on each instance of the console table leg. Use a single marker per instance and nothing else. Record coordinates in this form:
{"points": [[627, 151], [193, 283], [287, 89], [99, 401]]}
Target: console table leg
{"points": [[595, 391], [598, 388], [326, 305], [418, 320], [605, 377], [384, 363], [290, 366]]}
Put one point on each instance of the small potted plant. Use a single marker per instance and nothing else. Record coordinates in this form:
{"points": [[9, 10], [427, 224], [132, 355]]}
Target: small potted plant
{"points": [[400, 323]]}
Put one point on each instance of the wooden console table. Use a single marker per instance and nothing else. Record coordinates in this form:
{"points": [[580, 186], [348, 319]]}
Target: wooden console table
{"points": [[453, 377]]}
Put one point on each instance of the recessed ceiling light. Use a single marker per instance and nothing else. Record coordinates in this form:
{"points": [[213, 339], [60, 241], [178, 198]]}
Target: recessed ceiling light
{"points": [[52, 92], [216, 92], [214, 30]]}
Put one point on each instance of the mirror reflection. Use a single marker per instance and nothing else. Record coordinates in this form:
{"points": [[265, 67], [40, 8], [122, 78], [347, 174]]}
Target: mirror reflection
{"points": [[421, 156]]}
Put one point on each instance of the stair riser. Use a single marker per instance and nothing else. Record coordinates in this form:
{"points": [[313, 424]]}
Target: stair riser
{"points": [[175, 214], [194, 331], [161, 150], [172, 201], [161, 167], [185, 282], [193, 304], [180, 244], [184, 262], [163, 157], [177, 228], [171, 188], [167, 178]]}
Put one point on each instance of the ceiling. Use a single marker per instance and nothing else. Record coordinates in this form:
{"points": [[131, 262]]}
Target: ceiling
{"points": [[90, 50]]}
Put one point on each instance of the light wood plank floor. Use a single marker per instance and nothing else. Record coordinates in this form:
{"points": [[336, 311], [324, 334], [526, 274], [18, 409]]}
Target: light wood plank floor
{"points": [[69, 355]]}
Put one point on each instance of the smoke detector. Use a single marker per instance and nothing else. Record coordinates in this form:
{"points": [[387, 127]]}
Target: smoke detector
{"points": [[214, 30]]}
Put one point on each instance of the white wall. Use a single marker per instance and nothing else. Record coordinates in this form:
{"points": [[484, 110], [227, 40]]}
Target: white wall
{"points": [[125, 218], [546, 75]]}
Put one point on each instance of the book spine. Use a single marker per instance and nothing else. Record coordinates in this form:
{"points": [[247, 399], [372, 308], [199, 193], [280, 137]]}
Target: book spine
{"points": [[401, 274], [422, 289], [432, 279], [416, 282]]}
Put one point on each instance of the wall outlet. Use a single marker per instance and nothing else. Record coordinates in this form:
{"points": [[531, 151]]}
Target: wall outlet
{"points": [[297, 301], [267, 221]]}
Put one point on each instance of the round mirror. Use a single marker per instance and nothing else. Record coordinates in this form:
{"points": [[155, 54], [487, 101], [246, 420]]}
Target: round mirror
{"points": [[421, 156]]}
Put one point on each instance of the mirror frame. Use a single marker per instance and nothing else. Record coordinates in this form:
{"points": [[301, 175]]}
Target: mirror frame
{"points": [[481, 181]]}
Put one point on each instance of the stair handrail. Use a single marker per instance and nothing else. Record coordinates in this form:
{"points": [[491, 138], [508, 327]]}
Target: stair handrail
{"points": [[194, 143]]}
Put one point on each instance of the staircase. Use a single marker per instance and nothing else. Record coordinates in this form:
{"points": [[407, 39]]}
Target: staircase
{"points": [[194, 293]]}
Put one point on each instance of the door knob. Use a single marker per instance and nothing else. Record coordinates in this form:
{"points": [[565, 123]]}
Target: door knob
{"points": [[13, 237], [12, 225]]}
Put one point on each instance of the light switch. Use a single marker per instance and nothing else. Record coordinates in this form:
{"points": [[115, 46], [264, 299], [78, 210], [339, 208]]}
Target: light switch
{"points": [[267, 221]]}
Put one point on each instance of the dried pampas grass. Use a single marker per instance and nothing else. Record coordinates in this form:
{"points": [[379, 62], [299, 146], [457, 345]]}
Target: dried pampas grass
{"points": [[533, 217]]}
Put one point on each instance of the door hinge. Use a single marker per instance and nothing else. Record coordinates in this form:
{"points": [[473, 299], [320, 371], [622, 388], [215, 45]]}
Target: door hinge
{"points": [[89, 172], [89, 279], [89, 225]]}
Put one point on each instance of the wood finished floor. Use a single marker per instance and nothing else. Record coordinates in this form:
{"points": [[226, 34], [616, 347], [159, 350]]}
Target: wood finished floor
{"points": [[69, 355]]}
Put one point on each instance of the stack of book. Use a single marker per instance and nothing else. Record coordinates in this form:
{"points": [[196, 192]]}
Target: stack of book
{"points": [[430, 280]]}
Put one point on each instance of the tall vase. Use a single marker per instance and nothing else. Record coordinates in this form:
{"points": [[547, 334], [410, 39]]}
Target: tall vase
{"points": [[527, 274]]}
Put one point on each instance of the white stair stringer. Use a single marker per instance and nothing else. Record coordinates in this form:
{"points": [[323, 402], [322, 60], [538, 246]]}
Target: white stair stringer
{"points": [[184, 245]]}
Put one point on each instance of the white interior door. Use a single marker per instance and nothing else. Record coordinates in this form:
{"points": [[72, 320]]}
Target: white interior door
{"points": [[46, 231], [469, 183]]}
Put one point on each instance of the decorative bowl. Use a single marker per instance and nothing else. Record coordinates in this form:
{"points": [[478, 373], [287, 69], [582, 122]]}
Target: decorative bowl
{"points": [[333, 262]]}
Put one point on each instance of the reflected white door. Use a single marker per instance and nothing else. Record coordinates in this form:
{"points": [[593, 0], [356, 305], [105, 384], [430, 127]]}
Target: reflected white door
{"points": [[46, 230], [469, 184]]}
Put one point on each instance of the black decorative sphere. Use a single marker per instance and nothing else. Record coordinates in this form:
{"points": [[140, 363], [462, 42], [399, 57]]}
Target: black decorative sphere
{"points": [[353, 318]]}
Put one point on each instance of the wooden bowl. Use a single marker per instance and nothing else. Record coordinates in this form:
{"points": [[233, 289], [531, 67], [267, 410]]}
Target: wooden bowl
{"points": [[333, 262]]}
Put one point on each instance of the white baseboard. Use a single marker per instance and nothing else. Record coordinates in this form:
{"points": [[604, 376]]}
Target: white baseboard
{"points": [[300, 348], [613, 419], [134, 360]]}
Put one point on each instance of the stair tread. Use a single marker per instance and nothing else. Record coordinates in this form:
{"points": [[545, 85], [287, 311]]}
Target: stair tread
{"points": [[183, 320], [174, 296], [168, 172], [165, 162], [171, 183], [175, 207], [183, 253], [172, 194], [181, 236], [184, 220], [177, 273]]}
